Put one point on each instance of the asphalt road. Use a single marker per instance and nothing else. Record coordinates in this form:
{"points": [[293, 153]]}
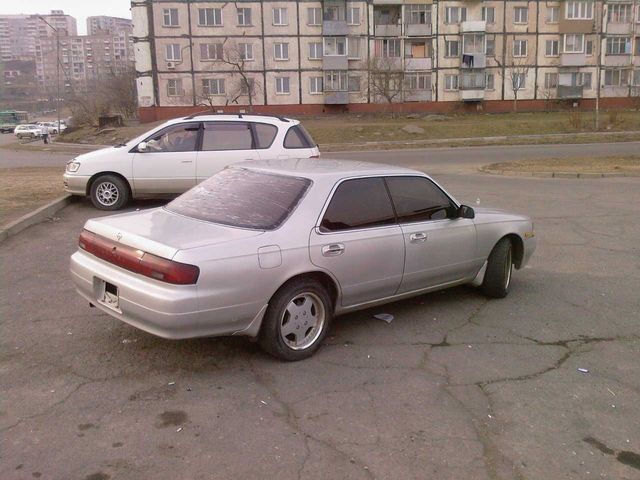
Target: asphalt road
{"points": [[456, 387]]}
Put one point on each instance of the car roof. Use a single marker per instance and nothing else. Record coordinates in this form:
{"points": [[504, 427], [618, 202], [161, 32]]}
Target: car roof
{"points": [[325, 168], [238, 117]]}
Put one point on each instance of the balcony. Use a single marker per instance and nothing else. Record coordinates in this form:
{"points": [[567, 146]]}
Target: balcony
{"points": [[335, 62], [418, 96], [417, 64], [336, 98], [622, 60], [335, 27], [614, 28], [473, 26], [417, 29], [472, 95], [473, 60], [573, 59], [387, 30], [570, 91]]}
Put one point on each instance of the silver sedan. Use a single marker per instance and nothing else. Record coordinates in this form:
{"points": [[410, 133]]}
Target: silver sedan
{"points": [[276, 249]]}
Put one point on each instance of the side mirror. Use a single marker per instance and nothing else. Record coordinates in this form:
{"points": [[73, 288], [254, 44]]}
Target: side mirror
{"points": [[142, 147], [466, 212]]}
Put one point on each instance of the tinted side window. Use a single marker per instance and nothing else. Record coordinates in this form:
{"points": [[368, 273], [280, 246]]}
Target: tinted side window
{"points": [[298, 137], [358, 203], [265, 134], [177, 138], [418, 199], [227, 136]]}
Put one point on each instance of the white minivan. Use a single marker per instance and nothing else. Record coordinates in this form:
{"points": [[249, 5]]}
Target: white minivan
{"points": [[182, 152]]}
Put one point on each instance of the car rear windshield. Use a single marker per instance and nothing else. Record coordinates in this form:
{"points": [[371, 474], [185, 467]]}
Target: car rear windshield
{"points": [[298, 137], [242, 198]]}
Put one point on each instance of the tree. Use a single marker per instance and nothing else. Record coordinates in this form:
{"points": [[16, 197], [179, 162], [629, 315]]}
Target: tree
{"points": [[514, 72], [386, 79]]}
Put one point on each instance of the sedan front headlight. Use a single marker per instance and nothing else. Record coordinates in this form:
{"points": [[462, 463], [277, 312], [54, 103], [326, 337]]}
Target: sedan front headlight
{"points": [[73, 166]]}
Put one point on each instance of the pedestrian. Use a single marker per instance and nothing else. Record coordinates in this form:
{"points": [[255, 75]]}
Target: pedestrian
{"points": [[45, 136]]}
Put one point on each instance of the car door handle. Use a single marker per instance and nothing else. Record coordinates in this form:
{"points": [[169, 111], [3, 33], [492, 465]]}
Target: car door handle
{"points": [[418, 237], [333, 250], [186, 161]]}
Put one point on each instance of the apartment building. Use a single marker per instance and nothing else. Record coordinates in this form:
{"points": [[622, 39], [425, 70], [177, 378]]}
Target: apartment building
{"points": [[101, 24], [312, 56]]}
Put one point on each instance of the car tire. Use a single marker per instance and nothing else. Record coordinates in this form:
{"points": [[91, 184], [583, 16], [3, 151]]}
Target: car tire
{"points": [[109, 192], [296, 320], [497, 277]]}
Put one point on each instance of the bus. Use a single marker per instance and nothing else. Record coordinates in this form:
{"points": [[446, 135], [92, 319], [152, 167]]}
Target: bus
{"points": [[10, 119]]}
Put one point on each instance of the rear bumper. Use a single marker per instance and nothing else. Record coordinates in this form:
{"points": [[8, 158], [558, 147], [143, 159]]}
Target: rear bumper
{"points": [[165, 310], [75, 184]]}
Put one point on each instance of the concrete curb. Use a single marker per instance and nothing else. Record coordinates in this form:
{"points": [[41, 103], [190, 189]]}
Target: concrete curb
{"points": [[35, 216], [510, 173]]}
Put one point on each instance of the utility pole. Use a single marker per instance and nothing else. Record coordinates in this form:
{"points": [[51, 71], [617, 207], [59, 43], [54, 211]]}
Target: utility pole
{"points": [[57, 68]]}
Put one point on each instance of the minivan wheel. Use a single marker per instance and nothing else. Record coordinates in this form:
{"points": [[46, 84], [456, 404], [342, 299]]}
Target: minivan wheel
{"points": [[297, 320], [497, 277], [109, 192]]}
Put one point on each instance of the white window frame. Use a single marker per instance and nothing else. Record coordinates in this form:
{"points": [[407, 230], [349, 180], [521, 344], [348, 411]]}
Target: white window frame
{"points": [[336, 81], [451, 82], [414, 14], [350, 16], [314, 14], [216, 48], [485, 17], [551, 80], [350, 82], [520, 79], [170, 52], [555, 48], [455, 15], [619, 12], [579, 10], [315, 86], [282, 19], [242, 17], [167, 13], [281, 51], [553, 14], [576, 36], [488, 76], [622, 81], [353, 44], [330, 46], [518, 13], [520, 43], [176, 88], [281, 83], [219, 86], [315, 47], [216, 17], [448, 46], [418, 81], [246, 51], [618, 46]]}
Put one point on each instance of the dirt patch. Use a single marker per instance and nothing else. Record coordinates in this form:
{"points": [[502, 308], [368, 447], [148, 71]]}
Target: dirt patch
{"points": [[614, 164], [25, 189]]}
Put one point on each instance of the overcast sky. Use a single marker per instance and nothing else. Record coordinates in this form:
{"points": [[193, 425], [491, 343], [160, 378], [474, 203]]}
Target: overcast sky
{"points": [[80, 9]]}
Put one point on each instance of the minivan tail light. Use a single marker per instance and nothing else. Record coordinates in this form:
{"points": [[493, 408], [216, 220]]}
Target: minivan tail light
{"points": [[138, 261]]}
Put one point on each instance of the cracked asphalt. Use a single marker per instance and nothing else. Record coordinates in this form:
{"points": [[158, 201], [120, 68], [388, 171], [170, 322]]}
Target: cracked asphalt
{"points": [[456, 387]]}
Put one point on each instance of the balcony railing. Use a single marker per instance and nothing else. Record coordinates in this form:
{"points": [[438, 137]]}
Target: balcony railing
{"points": [[570, 91], [387, 30], [417, 29], [573, 59], [417, 63], [473, 60], [418, 96], [335, 62], [473, 26], [336, 98], [472, 95], [335, 27]]}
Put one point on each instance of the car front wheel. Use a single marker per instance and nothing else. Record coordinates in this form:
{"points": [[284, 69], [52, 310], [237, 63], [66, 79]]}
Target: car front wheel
{"points": [[109, 192], [296, 320], [497, 277]]}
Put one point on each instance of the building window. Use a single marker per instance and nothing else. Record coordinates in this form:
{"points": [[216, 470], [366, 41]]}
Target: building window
{"points": [[519, 80], [281, 51], [455, 14], [170, 17], [418, 14], [246, 51], [174, 87], [579, 10], [636, 77], [589, 47], [174, 52], [489, 14], [451, 48], [387, 48], [451, 82], [315, 85], [553, 14], [335, 46], [353, 47], [552, 48], [550, 80], [280, 16], [354, 83], [335, 81], [314, 16], [353, 16], [315, 51], [520, 15], [616, 77], [637, 53], [490, 47], [282, 86], [211, 51], [332, 13], [210, 17], [248, 87], [213, 86], [244, 17], [418, 81], [489, 81], [584, 79], [472, 43], [574, 43], [619, 13], [519, 48], [618, 45]]}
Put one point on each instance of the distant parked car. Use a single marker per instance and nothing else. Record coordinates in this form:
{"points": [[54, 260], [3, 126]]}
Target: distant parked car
{"points": [[275, 249], [51, 127], [28, 131], [182, 152]]}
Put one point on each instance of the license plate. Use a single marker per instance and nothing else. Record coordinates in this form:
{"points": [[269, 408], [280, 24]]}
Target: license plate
{"points": [[107, 294]]}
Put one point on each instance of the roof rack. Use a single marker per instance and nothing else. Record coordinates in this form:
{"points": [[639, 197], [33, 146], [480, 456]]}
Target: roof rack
{"points": [[208, 112]]}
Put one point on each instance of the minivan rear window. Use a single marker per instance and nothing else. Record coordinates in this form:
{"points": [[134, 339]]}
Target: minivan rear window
{"points": [[298, 137], [242, 198]]}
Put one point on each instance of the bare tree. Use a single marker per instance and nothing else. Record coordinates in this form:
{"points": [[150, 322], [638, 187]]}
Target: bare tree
{"points": [[514, 72], [386, 79], [235, 56]]}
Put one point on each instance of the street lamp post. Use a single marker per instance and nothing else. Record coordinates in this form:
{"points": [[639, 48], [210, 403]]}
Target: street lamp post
{"points": [[57, 68]]}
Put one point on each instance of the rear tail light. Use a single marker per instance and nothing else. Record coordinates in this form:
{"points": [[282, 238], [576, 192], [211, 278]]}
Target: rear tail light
{"points": [[138, 261], [314, 156]]}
